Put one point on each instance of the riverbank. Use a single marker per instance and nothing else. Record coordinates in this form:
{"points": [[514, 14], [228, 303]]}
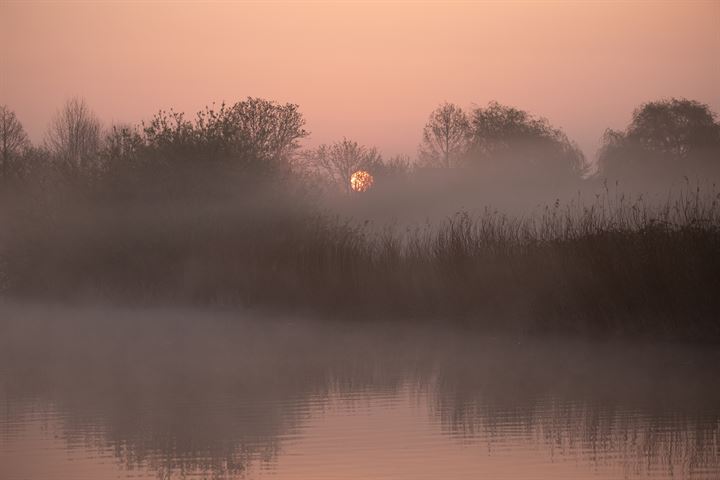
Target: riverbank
{"points": [[608, 269]]}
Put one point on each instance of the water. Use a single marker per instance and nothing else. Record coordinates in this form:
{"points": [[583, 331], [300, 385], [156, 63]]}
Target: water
{"points": [[92, 394]]}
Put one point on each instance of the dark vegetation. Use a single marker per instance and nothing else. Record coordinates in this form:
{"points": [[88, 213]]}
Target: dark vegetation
{"points": [[225, 209]]}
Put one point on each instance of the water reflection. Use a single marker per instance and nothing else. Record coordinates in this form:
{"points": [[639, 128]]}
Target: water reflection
{"points": [[183, 394]]}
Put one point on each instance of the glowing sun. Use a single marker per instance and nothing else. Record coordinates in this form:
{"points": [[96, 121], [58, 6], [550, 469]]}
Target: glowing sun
{"points": [[361, 181]]}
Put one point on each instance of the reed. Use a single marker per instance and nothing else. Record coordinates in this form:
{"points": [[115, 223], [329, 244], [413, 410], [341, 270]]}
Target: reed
{"points": [[614, 267]]}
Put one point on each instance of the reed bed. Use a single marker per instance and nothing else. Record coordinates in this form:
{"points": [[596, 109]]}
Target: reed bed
{"points": [[615, 267]]}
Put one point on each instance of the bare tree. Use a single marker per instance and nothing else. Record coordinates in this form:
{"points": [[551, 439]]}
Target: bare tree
{"points": [[337, 162], [13, 139], [74, 136], [445, 136]]}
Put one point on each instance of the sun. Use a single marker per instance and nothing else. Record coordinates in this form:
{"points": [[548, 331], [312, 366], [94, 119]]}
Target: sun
{"points": [[361, 181]]}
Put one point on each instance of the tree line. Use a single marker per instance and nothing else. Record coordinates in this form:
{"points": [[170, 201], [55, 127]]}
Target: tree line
{"points": [[663, 138], [258, 138]]}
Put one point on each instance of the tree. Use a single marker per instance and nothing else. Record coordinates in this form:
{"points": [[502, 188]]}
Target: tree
{"points": [[513, 142], [666, 137], [445, 136], [269, 130], [253, 130], [338, 161], [74, 136], [13, 140], [224, 146]]}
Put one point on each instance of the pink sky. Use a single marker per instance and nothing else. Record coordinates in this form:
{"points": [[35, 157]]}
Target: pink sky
{"points": [[368, 71]]}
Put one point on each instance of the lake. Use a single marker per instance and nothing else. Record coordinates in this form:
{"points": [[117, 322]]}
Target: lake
{"points": [[138, 393]]}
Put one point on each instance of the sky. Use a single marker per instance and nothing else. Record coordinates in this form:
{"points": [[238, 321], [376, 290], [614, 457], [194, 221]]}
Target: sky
{"points": [[368, 71]]}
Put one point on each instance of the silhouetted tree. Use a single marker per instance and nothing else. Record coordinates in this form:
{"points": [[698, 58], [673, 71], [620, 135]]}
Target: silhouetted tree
{"points": [[513, 142], [13, 140], [338, 161], [254, 129], [668, 137], [445, 137], [250, 138], [74, 136], [122, 142], [270, 131]]}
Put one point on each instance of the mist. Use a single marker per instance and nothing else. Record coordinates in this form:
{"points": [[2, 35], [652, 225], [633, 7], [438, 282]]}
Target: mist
{"points": [[199, 392], [499, 222], [404, 240]]}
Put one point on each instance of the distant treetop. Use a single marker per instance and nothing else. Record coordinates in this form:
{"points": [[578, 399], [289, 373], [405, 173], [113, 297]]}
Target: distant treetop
{"points": [[675, 137]]}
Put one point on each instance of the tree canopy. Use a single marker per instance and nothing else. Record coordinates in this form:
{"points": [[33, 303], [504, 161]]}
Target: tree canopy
{"points": [[510, 141], [13, 140], [251, 137], [672, 137]]}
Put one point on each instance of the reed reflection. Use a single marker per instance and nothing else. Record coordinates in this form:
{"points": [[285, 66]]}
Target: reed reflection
{"points": [[211, 394]]}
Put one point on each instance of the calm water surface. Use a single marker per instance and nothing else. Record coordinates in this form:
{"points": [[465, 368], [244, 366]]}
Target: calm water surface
{"points": [[93, 394]]}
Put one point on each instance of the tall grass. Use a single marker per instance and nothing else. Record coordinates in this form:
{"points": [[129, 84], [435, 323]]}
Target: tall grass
{"points": [[615, 267]]}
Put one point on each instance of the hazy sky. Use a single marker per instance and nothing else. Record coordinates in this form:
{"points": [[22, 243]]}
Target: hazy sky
{"points": [[368, 71]]}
